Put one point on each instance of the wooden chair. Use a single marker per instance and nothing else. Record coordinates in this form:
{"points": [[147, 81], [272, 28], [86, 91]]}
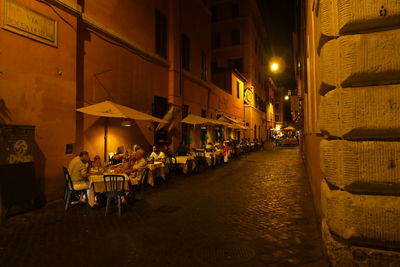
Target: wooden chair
{"points": [[70, 188]]}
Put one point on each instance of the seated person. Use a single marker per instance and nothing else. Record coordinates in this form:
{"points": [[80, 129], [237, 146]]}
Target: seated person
{"points": [[135, 166], [78, 169], [182, 150], [97, 165], [117, 158], [166, 152], [209, 146], [156, 154], [126, 159]]}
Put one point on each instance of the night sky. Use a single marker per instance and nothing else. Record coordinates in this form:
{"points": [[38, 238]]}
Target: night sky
{"points": [[279, 17]]}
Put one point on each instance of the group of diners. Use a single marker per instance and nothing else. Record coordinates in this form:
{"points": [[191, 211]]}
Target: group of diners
{"points": [[130, 161]]}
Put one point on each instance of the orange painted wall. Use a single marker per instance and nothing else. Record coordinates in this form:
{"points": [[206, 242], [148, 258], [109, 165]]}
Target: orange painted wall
{"points": [[133, 19], [37, 85], [129, 80]]}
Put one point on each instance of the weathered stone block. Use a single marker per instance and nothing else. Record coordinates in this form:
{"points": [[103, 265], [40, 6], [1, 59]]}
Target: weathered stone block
{"points": [[362, 167], [328, 67], [365, 15], [345, 255], [326, 22], [357, 16], [361, 112], [366, 220], [360, 60]]}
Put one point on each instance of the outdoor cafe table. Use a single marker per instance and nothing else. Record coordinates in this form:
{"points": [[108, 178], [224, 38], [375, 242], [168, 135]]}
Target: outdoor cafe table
{"points": [[183, 161], [156, 169], [96, 183]]}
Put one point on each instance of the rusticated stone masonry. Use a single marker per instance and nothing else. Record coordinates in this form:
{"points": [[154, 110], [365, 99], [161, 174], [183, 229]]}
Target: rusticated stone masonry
{"points": [[359, 80]]}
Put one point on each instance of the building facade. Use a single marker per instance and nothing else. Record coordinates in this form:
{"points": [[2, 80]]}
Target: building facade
{"points": [[60, 55], [348, 78], [238, 42]]}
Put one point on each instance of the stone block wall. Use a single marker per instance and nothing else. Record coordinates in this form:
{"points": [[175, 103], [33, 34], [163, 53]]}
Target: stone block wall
{"points": [[359, 73]]}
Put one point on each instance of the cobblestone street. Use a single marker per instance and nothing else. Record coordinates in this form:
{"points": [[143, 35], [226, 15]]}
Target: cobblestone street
{"points": [[255, 211]]}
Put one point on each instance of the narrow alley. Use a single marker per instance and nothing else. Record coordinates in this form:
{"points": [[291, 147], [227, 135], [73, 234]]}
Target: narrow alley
{"points": [[255, 211]]}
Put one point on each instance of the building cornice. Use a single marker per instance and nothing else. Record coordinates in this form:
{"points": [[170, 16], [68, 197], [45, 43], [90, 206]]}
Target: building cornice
{"points": [[76, 10], [66, 5], [106, 31]]}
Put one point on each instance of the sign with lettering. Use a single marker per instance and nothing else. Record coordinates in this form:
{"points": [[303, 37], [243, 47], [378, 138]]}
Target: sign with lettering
{"points": [[30, 23]]}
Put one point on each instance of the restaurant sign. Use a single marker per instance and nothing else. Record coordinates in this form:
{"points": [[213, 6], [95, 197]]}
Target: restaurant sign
{"points": [[248, 96], [27, 22]]}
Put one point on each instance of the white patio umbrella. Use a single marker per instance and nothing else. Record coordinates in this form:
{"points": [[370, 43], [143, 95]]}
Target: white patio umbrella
{"points": [[109, 109]]}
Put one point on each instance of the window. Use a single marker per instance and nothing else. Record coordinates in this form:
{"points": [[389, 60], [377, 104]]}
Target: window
{"points": [[204, 113], [256, 101], [216, 40], [185, 111], [235, 11], [237, 89], [185, 128], [160, 106], [161, 34], [236, 37], [236, 63], [214, 66], [185, 52], [213, 14], [203, 66]]}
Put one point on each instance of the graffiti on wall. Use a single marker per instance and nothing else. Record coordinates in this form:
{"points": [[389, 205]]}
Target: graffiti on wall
{"points": [[20, 153]]}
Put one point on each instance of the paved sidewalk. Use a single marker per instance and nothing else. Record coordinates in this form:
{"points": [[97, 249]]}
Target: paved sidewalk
{"points": [[256, 211]]}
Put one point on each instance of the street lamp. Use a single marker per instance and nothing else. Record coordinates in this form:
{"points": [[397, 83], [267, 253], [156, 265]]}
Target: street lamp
{"points": [[286, 97], [274, 67]]}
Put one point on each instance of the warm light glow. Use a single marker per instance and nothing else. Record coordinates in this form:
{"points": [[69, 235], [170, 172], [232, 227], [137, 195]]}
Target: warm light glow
{"points": [[286, 97], [278, 127], [126, 123], [274, 67]]}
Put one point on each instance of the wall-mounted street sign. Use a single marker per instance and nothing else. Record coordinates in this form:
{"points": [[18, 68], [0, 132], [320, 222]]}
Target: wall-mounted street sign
{"points": [[22, 20]]}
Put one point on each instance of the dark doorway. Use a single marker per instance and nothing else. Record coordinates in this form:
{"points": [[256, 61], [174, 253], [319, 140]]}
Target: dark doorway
{"points": [[159, 109]]}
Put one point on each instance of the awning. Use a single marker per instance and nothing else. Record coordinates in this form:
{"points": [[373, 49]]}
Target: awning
{"points": [[289, 128], [232, 123], [228, 119], [193, 119], [112, 110]]}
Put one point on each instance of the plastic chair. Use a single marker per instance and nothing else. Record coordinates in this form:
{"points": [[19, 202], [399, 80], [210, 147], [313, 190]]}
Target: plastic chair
{"points": [[200, 159], [111, 185], [142, 173], [70, 188], [172, 166]]}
